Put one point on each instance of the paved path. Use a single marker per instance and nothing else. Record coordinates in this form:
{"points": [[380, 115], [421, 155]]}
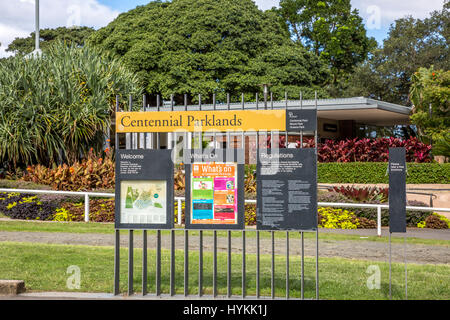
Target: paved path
{"points": [[351, 249]]}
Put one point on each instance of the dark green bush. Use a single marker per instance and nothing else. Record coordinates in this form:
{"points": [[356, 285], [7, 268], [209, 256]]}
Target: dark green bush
{"points": [[375, 172]]}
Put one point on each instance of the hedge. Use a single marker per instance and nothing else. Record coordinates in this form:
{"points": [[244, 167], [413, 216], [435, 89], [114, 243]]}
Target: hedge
{"points": [[375, 172]]}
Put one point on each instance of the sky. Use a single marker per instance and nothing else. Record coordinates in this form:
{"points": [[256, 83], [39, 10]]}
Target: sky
{"points": [[17, 16]]}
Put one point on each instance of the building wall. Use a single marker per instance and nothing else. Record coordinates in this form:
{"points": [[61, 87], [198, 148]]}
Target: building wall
{"points": [[328, 128]]}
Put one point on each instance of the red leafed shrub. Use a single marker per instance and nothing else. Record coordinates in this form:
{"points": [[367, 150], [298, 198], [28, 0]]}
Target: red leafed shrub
{"points": [[368, 150], [365, 194], [91, 173]]}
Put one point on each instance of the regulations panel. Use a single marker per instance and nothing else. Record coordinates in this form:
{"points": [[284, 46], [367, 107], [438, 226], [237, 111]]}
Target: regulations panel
{"points": [[287, 189]]}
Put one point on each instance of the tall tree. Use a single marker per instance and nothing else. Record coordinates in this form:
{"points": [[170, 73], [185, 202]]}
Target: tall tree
{"points": [[330, 29], [430, 95], [205, 46], [411, 44], [76, 35]]}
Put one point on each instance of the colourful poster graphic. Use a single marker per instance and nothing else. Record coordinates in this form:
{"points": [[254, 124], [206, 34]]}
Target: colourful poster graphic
{"points": [[143, 202], [214, 193]]}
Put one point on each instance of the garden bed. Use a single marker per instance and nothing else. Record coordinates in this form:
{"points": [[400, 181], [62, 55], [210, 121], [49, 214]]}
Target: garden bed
{"points": [[61, 208]]}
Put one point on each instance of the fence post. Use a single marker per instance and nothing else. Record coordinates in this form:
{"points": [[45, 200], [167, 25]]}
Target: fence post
{"points": [[86, 207], [379, 221]]}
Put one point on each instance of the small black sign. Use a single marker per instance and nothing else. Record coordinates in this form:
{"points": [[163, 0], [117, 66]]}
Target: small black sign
{"points": [[287, 189], [144, 189], [397, 190], [329, 127], [301, 120]]}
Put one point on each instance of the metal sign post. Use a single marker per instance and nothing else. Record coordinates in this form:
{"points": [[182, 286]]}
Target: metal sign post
{"points": [[397, 204]]}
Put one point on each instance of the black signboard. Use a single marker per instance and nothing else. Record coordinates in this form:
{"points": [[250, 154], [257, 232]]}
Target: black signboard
{"points": [[397, 190], [214, 180], [301, 120], [144, 189], [287, 189], [329, 127]]}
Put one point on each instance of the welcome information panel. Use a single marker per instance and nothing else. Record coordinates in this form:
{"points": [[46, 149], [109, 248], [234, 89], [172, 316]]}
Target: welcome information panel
{"points": [[144, 189]]}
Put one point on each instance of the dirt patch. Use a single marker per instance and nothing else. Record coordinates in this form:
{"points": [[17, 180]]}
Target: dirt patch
{"points": [[350, 249]]}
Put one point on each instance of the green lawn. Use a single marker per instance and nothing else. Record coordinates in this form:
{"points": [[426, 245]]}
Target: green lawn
{"points": [[43, 267], [108, 228]]}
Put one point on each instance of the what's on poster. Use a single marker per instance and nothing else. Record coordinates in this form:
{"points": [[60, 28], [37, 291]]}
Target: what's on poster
{"points": [[143, 202], [214, 193]]}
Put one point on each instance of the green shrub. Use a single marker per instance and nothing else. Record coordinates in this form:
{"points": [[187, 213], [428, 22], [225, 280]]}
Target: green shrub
{"points": [[375, 172], [333, 218]]}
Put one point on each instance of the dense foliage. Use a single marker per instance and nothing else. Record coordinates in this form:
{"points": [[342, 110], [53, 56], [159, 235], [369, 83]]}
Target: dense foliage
{"points": [[330, 29], [375, 172], [362, 194], [430, 95], [435, 221], [411, 43], [93, 172], [76, 36], [57, 106], [333, 218], [42, 207], [363, 149], [206, 46], [367, 217], [26, 207], [372, 150], [97, 172]]}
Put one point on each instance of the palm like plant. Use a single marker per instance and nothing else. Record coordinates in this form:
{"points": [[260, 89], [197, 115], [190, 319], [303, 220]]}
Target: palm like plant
{"points": [[59, 105]]}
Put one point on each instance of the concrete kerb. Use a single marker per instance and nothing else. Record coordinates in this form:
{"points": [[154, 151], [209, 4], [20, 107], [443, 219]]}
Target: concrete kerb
{"points": [[124, 297], [11, 287]]}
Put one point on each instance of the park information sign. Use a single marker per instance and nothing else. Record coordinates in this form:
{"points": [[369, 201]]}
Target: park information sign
{"points": [[301, 120], [144, 189], [287, 189], [397, 190], [214, 190], [235, 120]]}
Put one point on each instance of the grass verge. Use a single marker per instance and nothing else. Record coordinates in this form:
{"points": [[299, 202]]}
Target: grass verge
{"points": [[44, 268]]}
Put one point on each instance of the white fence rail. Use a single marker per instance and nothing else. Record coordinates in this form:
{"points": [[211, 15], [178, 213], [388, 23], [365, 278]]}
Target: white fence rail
{"points": [[179, 200]]}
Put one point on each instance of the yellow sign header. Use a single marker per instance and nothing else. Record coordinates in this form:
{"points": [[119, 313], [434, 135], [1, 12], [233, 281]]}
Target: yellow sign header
{"points": [[190, 121]]}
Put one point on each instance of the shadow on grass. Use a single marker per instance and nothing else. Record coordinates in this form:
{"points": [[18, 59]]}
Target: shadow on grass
{"points": [[397, 292]]}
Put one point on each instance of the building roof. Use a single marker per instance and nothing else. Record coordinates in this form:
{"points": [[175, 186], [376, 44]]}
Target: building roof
{"points": [[360, 109]]}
